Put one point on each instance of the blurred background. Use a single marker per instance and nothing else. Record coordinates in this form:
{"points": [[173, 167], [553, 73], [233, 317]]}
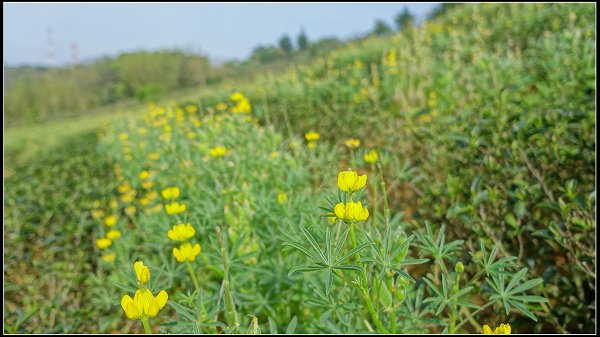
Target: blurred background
{"points": [[483, 114]]}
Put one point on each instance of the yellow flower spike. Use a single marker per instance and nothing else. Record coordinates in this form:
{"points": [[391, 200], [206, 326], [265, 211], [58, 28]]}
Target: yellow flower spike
{"points": [[350, 181], [153, 156], [142, 272], [181, 232], [144, 175], [170, 192], [110, 220], [281, 198], [371, 157], [110, 257], [175, 208], [103, 243], [311, 145], [113, 234], [352, 143], [147, 184], [186, 252], [312, 136]]}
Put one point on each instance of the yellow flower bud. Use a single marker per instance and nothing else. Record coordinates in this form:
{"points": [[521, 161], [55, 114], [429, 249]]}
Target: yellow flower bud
{"points": [[142, 272]]}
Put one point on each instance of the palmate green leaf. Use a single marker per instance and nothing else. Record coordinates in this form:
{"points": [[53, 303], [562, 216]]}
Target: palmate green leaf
{"points": [[183, 311], [305, 268], [526, 286], [523, 309], [300, 248], [516, 278], [313, 243]]}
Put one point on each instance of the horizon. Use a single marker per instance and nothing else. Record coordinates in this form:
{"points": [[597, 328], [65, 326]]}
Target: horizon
{"points": [[116, 29]]}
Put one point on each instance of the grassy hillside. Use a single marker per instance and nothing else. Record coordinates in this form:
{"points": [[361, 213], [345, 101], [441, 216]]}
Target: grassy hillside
{"points": [[480, 201]]}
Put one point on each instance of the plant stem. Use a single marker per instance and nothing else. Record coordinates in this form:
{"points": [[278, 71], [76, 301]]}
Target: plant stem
{"points": [[364, 291], [473, 314], [393, 310], [193, 274], [455, 288], [146, 323], [375, 195], [229, 303]]}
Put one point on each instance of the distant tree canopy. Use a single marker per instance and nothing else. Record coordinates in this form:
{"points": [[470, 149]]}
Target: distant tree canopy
{"points": [[441, 9], [382, 28], [404, 19], [35, 94], [266, 54], [285, 43], [302, 40]]}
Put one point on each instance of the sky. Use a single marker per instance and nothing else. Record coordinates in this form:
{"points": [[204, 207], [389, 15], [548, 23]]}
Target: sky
{"points": [[225, 31]]}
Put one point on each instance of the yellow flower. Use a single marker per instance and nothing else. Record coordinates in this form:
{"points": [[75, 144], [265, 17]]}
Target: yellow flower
{"points": [[350, 181], [124, 188], [142, 272], [191, 108], [97, 213], [151, 195], [175, 208], [153, 156], [186, 252], [113, 234], [144, 304], [130, 210], [110, 257], [312, 136], [103, 243], [274, 154], [144, 201], [147, 184], [123, 136], [502, 329], [110, 220], [351, 211], [144, 175], [142, 131], [281, 198], [218, 151], [128, 197], [221, 106], [352, 143], [371, 157], [114, 204], [170, 193], [181, 232]]}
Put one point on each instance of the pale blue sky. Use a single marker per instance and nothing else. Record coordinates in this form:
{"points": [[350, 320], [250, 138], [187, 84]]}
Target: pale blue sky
{"points": [[222, 31]]}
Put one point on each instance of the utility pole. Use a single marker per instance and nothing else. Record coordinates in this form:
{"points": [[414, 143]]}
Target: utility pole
{"points": [[50, 47], [73, 54]]}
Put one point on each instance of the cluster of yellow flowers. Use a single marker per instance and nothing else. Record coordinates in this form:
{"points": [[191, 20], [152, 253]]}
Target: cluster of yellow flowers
{"points": [[351, 212], [182, 233], [242, 104], [143, 305], [503, 329], [311, 138], [174, 207], [107, 240], [281, 198]]}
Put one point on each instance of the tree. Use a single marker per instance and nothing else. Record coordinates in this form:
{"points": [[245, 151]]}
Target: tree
{"points": [[285, 43], [302, 40], [404, 19], [381, 28]]}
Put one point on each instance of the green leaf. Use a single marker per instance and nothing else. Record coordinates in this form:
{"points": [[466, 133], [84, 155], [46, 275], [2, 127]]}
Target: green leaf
{"points": [[272, 326], [527, 285], [304, 268], [292, 326]]}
